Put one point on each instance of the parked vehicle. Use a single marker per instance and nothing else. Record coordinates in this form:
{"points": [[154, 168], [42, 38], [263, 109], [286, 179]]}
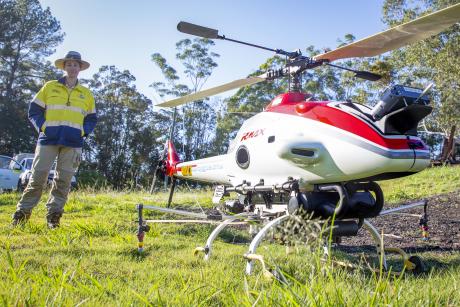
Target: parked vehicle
{"points": [[10, 171], [73, 182], [26, 160]]}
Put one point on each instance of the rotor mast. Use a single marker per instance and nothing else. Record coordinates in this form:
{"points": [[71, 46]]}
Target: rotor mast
{"points": [[295, 80]]}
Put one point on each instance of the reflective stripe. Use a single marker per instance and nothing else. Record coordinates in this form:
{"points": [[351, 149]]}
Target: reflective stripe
{"points": [[39, 102], [65, 107], [63, 123], [92, 112], [35, 125]]}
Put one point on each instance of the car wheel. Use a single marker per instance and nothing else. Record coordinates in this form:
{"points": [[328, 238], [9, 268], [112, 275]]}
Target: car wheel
{"points": [[23, 186], [19, 188]]}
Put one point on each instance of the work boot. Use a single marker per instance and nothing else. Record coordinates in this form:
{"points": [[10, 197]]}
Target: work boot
{"points": [[53, 219], [20, 217]]}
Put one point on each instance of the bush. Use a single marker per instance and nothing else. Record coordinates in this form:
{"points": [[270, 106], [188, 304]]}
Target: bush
{"points": [[91, 179]]}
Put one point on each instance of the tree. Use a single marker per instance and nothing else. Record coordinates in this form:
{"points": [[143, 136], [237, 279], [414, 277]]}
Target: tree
{"points": [[125, 144], [28, 34], [196, 120], [436, 59]]}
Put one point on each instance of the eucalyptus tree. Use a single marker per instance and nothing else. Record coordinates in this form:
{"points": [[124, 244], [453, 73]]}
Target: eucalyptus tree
{"points": [[195, 121], [432, 60], [28, 34], [124, 145]]}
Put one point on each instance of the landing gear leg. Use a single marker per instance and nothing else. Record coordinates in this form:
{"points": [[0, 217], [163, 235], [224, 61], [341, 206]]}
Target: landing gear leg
{"points": [[208, 247], [251, 254], [411, 263], [378, 242]]}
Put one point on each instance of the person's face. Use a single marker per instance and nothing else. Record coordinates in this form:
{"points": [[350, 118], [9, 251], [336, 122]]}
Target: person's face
{"points": [[72, 68]]}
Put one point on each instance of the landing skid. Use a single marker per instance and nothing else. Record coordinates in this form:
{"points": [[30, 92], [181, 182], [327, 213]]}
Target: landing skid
{"points": [[208, 247], [268, 222]]}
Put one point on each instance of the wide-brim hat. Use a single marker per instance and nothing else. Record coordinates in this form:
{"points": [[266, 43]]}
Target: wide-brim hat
{"points": [[71, 55]]}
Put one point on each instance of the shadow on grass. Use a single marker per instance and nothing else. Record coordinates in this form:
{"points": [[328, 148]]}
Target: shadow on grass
{"points": [[134, 254], [80, 208], [353, 249], [193, 230], [434, 257], [234, 236], [431, 248], [442, 264]]}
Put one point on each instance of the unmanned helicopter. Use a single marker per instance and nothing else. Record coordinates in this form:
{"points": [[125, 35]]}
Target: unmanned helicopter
{"points": [[319, 156]]}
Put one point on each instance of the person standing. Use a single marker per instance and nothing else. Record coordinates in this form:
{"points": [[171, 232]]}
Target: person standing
{"points": [[63, 112]]}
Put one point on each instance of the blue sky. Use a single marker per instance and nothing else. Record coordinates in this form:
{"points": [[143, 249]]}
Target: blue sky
{"points": [[126, 33]]}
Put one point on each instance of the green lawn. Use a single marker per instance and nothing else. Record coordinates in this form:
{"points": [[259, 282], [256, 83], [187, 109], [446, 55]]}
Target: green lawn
{"points": [[92, 259]]}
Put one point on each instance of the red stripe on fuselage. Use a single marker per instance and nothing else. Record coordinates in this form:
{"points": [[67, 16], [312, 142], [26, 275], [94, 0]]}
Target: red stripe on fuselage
{"points": [[319, 111]]}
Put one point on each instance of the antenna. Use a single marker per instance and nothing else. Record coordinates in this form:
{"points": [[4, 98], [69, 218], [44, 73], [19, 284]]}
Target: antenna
{"points": [[429, 86]]}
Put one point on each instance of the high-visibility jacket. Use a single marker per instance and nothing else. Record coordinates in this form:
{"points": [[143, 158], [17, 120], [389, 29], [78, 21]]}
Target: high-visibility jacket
{"points": [[61, 115]]}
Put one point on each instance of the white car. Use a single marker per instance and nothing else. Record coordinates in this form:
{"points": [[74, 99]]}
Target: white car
{"points": [[73, 181], [10, 171]]}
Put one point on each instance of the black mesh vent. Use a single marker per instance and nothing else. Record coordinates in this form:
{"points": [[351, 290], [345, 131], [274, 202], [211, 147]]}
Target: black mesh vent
{"points": [[242, 157]]}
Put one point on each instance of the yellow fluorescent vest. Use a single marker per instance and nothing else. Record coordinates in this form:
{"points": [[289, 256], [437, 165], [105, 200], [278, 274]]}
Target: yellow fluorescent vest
{"points": [[65, 111], [65, 106]]}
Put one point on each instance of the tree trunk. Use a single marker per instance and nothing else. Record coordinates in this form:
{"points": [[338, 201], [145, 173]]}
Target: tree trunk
{"points": [[14, 67], [448, 146]]}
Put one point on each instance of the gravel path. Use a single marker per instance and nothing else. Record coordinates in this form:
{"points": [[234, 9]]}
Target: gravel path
{"points": [[403, 230]]}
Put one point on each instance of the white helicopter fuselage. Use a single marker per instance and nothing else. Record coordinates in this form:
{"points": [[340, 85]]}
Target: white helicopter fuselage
{"points": [[313, 142], [321, 142]]}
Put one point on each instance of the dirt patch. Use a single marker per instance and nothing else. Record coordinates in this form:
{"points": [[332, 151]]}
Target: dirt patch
{"points": [[403, 230]]}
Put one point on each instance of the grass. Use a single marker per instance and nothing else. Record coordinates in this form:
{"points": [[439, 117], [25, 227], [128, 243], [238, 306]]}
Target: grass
{"points": [[92, 259], [432, 181]]}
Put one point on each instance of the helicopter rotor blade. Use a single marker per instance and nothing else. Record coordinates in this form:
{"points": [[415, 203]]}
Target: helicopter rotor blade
{"points": [[213, 91], [190, 28], [398, 36], [367, 75]]}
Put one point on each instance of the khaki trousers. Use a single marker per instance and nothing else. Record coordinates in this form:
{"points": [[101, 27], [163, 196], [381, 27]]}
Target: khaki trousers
{"points": [[68, 159]]}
